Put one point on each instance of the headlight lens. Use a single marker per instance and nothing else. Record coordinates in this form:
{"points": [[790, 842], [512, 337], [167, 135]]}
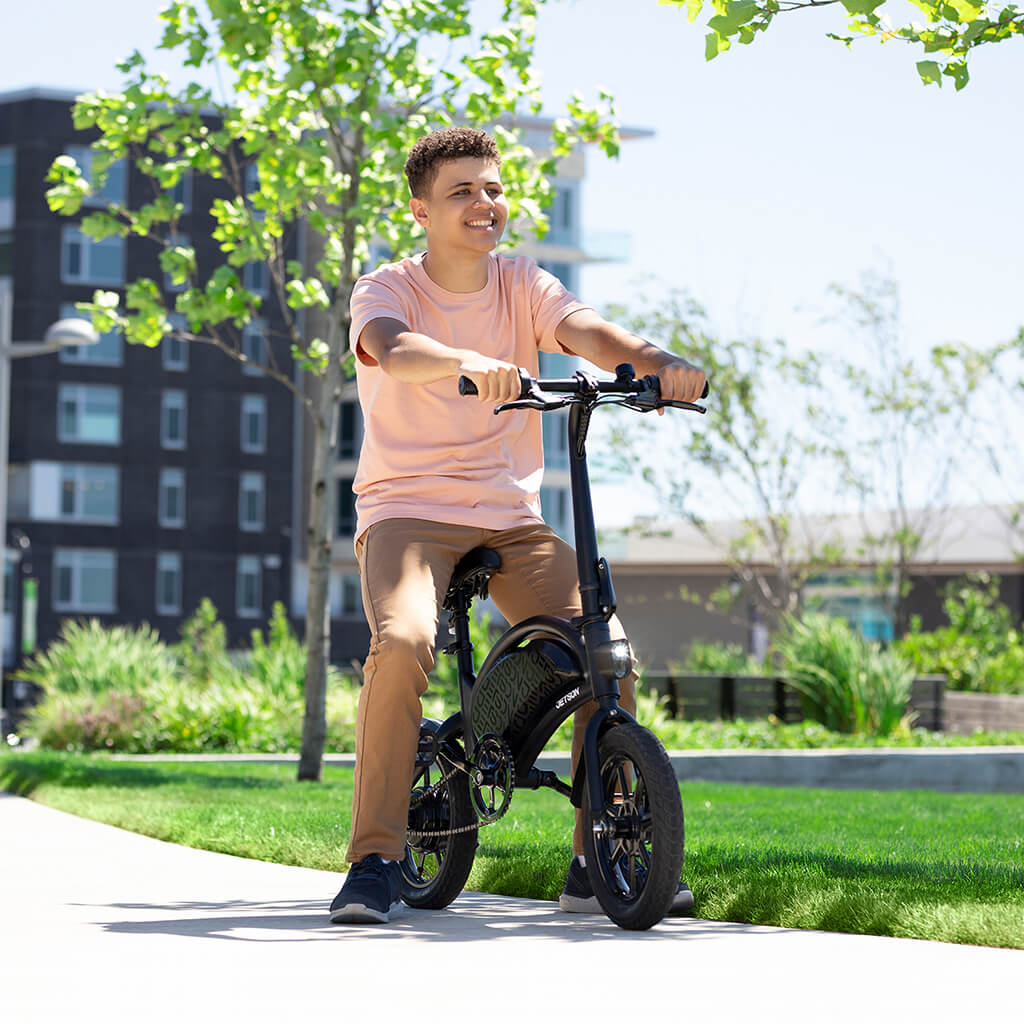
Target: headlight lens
{"points": [[620, 658]]}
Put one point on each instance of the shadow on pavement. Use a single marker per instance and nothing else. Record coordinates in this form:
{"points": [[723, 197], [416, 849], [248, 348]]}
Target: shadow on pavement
{"points": [[473, 917]]}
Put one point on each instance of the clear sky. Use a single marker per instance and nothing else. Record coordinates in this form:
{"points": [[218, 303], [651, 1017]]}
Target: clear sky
{"points": [[775, 169]]}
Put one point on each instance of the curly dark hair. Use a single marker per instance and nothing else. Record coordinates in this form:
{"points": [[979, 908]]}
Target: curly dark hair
{"points": [[426, 157]]}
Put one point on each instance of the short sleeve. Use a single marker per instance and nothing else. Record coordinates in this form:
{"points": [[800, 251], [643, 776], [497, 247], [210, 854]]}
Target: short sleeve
{"points": [[372, 297], [551, 302]]}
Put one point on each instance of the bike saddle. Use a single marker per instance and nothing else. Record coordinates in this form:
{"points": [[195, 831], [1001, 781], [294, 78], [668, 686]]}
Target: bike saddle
{"points": [[473, 573]]}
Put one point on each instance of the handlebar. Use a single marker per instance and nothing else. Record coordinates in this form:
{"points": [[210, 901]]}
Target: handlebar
{"points": [[643, 394]]}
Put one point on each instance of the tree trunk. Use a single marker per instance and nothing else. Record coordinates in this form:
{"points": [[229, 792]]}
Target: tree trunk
{"points": [[319, 542]]}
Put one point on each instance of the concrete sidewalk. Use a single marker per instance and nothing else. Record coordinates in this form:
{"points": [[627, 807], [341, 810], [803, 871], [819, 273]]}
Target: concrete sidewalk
{"points": [[102, 924]]}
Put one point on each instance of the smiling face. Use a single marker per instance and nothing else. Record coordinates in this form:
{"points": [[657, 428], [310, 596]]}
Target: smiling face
{"points": [[466, 210]]}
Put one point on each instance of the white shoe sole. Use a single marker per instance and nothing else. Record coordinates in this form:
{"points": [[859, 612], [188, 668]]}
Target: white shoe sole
{"points": [[682, 902], [359, 913]]}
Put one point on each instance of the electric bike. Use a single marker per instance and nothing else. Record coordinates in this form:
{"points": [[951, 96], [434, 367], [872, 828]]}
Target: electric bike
{"points": [[538, 674]]}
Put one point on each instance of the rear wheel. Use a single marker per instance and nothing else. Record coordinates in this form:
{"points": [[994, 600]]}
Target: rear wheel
{"points": [[436, 863], [635, 858]]}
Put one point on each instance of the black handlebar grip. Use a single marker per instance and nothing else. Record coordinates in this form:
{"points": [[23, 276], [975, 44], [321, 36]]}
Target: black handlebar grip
{"points": [[466, 386]]}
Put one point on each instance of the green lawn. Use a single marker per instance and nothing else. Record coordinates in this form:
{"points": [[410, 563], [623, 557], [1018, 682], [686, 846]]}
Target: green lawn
{"points": [[915, 864]]}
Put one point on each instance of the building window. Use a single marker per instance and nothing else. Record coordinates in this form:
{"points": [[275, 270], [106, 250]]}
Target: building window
{"points": [[7, 160], [855, 597], [173, 347], [562, 216], [556, 507], [249, 587], [350, 430], [345, 525], [557, 364], [88, 414], [254, 341], [84, 580], [251, 501], [256, 278], [87, 261], [168, 583], [182, 192], [114, 189], [174, 352], [251, 180], [556, 440], [351, 596], [173, 419], [171, 499], [176, 241], [89, 494], [106, 352], [254, 424], [6, 254]]}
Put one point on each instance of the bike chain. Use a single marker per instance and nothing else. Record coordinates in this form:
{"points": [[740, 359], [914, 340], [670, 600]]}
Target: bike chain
{"points": [[442, 832]]}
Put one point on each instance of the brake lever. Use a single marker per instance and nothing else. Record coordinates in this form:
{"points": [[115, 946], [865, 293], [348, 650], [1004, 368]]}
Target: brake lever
{"points": [[543, 403], [681, 405]]}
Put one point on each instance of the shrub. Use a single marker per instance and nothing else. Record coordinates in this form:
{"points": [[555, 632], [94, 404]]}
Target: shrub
{"points": [[980, 649], [848, 684], [89, 658], [121, 689], [277, 664], [203, 650], [722, 660]]}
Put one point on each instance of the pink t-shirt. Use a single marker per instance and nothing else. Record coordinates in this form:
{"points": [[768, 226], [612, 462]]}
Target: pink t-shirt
{"points": [[429, 453]]}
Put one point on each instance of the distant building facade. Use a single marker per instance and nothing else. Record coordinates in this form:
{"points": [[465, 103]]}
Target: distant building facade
{"points": [[141, 480]]}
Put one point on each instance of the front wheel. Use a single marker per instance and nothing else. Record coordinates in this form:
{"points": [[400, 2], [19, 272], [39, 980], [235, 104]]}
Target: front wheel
{"points": [[635, 856], [442, 837]]}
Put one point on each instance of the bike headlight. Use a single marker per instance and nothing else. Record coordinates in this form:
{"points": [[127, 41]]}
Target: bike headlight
{"points": [[619, 658]]}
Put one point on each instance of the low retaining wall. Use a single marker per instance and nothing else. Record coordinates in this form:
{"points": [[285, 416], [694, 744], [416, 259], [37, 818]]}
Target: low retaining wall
{"points": [[966, 713], [959, 770]]}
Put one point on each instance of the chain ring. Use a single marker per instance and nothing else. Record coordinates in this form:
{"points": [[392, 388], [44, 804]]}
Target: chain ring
{"points": [[495, 769]]}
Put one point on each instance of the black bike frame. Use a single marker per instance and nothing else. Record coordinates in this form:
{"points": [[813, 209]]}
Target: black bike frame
{"points": [[597, 595], [598, 599]]}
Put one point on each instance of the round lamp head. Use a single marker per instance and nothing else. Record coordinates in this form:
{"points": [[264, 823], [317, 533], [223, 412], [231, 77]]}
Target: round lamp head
{"points": [[72, 330]]}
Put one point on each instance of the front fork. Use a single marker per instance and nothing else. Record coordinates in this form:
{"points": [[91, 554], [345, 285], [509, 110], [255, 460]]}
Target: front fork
{"points": [[597, 639]]}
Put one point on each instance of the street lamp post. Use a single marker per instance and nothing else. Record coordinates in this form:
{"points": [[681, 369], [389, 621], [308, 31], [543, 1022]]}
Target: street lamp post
{"points": [[72, 331]]}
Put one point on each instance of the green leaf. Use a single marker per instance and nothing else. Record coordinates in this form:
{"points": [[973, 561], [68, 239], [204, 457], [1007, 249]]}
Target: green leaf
{"points": [[930, 71], [855, 7]]}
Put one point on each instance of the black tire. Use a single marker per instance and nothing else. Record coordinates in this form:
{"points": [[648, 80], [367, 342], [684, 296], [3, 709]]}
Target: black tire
{"points": [[435, 869], [635, 864]]}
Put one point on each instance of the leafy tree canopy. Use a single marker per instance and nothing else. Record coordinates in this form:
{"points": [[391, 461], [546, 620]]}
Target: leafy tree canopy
{"points": [[949, 31]]}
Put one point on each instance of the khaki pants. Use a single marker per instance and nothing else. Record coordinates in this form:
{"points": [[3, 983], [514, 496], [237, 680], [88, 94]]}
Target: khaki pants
{"points": [[406, 565]]}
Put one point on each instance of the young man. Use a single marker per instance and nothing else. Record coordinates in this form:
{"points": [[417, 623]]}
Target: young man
{"points": [[439, 474]]}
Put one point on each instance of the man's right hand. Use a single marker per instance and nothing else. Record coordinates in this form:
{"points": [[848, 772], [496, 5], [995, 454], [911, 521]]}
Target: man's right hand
{"points": [[495, 381]]}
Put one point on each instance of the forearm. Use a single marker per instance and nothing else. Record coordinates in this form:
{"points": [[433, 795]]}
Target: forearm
{"points": [[617, 345], [418, 359], [607, 345]]}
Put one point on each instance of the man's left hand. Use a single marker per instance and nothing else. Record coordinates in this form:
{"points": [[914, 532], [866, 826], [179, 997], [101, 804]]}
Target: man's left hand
{"points": [[681, 381]]}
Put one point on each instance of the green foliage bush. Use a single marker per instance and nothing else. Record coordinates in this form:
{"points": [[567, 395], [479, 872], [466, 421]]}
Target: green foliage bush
{"points": [[116, 689], [980, 649], [90, 659], [722, 660], [849, 684]]}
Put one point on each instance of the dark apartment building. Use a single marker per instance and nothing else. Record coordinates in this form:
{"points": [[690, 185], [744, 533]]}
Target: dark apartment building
{"points": [[141, 480]]}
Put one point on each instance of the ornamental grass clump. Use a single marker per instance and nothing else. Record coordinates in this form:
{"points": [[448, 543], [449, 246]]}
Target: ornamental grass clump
{"points": [[119, 689], [89, 658], [848, 684]]}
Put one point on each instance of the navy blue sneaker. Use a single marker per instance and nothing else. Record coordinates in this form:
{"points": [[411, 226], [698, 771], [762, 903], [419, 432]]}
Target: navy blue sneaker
{"points": [[578, 896], [371, 893]]}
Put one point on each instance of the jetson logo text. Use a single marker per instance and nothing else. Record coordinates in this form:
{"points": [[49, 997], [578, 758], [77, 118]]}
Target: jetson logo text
{"points": [[562, 701]]}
